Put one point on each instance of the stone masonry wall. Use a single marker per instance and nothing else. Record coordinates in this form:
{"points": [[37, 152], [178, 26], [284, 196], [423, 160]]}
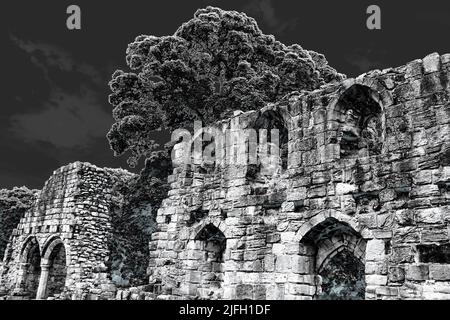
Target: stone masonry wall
{"points": [[72, 212], [368, 173]]}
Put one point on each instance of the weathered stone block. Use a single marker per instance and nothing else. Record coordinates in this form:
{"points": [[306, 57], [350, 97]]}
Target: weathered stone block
{"points": [[386, 291], [269, 263], [402, 254], [299, 278], [396, 274], [430, 215], [417, 272], [345, 188], [375, 250], [431, 63], [287, 237], [244, 291], [407, 234], [301, 289], [445, 58], [376, 268], [273, 238], [434, 234], [440, 272], [376, 280], [301, 264], [429, 190], [297, 194], [414, 68]]}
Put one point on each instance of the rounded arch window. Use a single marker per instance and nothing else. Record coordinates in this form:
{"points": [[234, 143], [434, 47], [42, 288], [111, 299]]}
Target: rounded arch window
{"points": [[360, 115]]}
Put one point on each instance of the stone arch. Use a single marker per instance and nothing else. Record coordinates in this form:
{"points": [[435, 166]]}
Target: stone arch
{"points": [[49, 246], [377, 92], [29, 243], [320, 217], [355, 245], [336, 249], [30, 268], [205, 254], [267, 157], [211, 234], [216, 222], [54, 264], [358, 112]]}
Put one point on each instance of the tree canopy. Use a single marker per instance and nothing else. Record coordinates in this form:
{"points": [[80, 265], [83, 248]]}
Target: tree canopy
{"points": [[217, 62], [13, 204]]}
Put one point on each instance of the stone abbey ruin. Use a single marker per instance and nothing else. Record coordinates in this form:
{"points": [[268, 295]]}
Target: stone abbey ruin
{"points": [[359, 209]]}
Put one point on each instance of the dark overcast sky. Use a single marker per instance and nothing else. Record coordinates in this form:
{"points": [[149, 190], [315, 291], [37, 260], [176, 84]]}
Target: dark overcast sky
{"points": [[54, 83]]}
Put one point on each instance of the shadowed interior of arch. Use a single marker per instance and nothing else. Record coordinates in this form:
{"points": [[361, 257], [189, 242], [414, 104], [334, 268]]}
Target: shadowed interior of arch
{"points": [[215, 241], [270, 120], [361, 123], [32, 269], [212, 243], [337, 257], [343, 277], [327, 229], [57, 270]]}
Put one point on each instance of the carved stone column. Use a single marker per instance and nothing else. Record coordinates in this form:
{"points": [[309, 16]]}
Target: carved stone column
{"points": [[43, 282]]}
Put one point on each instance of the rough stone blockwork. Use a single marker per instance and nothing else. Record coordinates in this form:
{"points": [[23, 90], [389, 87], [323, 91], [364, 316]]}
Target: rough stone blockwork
{"points": [[61, 247], [358, 208], [367, 178]]}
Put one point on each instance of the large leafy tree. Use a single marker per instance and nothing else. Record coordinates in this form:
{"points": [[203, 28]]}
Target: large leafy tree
{"points": [[216, 62]]}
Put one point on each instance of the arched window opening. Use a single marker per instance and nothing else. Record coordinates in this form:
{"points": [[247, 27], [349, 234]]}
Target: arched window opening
{"points": [[343, 278], [361, 131], [215, 243], [212, 243], [271, 148]]}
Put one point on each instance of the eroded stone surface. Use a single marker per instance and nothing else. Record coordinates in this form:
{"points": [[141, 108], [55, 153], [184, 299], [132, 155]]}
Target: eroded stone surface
{"points": [[67, 234], [366, 172]]}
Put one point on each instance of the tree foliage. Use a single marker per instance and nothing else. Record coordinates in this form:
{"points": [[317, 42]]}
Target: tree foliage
{"points": [[13, 204], [217, 62], [134, 220]]}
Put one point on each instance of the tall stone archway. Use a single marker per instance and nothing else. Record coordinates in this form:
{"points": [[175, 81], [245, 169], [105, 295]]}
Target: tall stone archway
{"points": [[30, 269], [337, 260], [54, 269], [57, 270], [210, 244]]}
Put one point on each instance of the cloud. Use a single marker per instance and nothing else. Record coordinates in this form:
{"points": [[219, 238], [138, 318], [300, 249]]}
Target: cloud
{"points": [[363, 63], [366, 59], [66, 120], [265, 10], [47, 56], [74, 114]]}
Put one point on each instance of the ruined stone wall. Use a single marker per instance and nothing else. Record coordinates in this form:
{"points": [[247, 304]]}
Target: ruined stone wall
{"points": [[13, 205], [68, 232], [368, 175]]}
